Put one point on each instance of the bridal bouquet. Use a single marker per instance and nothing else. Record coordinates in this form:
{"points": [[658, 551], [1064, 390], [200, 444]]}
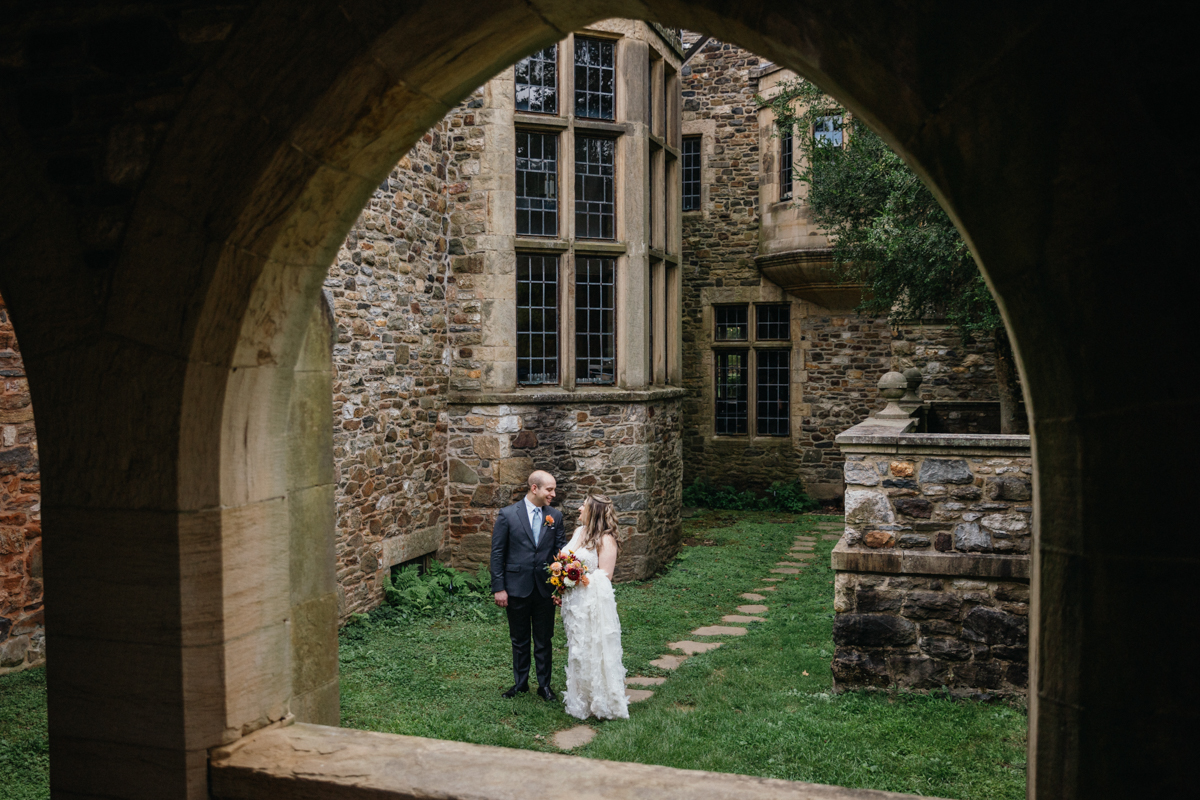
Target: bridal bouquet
{"points": [[566, 573]]}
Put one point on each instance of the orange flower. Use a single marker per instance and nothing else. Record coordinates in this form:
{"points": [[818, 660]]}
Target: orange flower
{"points": [[584, 580], [556, 567], [549, 520]]}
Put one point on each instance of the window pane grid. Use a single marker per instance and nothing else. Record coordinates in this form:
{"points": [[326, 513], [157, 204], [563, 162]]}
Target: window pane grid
{"points": [[595, 321], [785, 165], [774, 323], [537, 82], [731, 394], [731, 323], [773, 392], [595, 82], [691, 173], [828, 131], [595, 210], [537, 319], [537, 184]]}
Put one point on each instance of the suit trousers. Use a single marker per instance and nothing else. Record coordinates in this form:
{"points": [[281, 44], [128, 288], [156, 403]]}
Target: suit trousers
{"points": [[531, 615]]}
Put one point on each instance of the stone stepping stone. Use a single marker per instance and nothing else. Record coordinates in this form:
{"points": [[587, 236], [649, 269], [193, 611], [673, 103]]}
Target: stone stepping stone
{"points": [[643, 680], [772, 579], [573, 737], [802, 556], [805, 539], [765, 588], [717, 630], [638, 695], [741, 618], [692, 648], [785, 571], [668, 661], [753, 596], [752, 609], [832, 537]]}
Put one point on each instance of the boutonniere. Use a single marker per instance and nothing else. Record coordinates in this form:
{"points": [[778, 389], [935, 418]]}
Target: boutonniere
{"points": [[549, 520]]}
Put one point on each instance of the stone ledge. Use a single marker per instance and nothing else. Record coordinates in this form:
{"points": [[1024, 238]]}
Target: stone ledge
{"points": [[542, 396], [322, 763], [893, 436], [907, 562]]}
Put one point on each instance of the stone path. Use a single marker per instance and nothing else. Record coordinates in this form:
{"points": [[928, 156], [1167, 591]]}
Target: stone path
{"points": [[801, 553]]}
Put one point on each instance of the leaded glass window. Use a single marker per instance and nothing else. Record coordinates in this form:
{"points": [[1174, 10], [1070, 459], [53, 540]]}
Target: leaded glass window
{"points": [[595, 210], [731, 324], [691, 173], [773, 392], [828, 131], [595, 320], [785, 164], [595, 78], [537, 184], [537, 319], [537, 82], [731, 399], [774, 322]]}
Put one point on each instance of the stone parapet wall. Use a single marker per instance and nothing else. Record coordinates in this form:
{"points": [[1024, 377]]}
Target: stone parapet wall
{"points": [[22, 640], [626, 445], [932, 584]]}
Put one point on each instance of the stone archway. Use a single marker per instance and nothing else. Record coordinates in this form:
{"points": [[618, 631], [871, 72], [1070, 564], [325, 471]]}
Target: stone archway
{"points": [[165, 337]]}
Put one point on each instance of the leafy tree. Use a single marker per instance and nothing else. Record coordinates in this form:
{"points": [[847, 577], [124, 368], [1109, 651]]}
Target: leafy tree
{"points": [[888, 231]]}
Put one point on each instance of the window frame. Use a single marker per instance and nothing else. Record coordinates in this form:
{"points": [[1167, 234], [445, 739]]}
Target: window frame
{"points": [[548, 330], [761, 355], [553, 177], [787, 150], [582, 316], [581, 138], [576, 66], [530, 59], [692, 169]]}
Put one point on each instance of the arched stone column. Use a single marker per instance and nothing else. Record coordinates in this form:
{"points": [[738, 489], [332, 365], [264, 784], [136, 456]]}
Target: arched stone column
{"points": [[164, 359]]}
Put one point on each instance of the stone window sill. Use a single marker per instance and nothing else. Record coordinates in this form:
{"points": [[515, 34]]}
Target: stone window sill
{"points": [[540, 395]]}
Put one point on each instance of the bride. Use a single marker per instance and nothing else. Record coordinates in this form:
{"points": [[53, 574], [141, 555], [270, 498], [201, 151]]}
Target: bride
{"points": [[595, 674]]}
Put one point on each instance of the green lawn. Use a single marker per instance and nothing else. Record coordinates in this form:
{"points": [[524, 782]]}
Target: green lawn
{"points": [[760, 705]]}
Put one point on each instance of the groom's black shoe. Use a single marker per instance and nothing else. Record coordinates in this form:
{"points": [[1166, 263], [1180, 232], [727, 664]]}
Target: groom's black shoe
{"points": [[546, 693], [514, 690]]}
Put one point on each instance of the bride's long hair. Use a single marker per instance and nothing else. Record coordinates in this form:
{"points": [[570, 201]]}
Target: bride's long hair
{"points": [[598, 517]]}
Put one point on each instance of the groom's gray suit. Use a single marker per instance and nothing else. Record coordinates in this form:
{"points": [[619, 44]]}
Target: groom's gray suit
{"points": [[518, 567]]}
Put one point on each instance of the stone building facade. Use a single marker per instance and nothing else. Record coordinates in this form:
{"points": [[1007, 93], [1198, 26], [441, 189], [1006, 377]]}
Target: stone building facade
{"points": [[767, 408], [439, 416], [22, 641]]}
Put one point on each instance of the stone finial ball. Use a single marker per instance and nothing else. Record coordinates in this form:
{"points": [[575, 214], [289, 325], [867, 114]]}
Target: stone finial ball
{"points": [[893, 385], [913, 376]]}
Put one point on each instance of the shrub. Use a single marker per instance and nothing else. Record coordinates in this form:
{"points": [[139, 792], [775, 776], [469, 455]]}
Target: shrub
{"points": [[789, 497]]}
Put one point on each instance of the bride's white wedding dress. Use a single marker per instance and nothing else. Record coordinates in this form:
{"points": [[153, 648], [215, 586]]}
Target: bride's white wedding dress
{"points": [[595, 674]]}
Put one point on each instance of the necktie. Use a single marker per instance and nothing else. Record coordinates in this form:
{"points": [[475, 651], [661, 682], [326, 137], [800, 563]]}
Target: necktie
{"points": [[536, 522]]}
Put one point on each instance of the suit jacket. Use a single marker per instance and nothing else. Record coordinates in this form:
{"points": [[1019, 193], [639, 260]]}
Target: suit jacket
{"points": [[518, 567]]}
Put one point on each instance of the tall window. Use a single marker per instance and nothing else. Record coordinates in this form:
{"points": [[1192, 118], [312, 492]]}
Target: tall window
{"points": [[595, 320], [740, 350], [595, 79], [772, 390], [537, 184], [537, 319], [595, 211], [537, 82], [828, 131], [731, 392], [785, 164], [691, 173]]}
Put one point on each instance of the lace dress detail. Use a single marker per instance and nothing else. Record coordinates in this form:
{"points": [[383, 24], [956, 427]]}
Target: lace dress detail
{"points": [[595, 674]]}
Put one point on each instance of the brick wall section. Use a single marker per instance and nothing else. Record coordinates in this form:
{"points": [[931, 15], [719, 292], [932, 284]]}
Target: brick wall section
{"points": [[629, 451], [21, 636]]}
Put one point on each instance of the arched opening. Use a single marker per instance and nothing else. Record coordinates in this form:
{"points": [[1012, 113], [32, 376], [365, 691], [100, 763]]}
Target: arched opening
{"points": [[195, 365]]}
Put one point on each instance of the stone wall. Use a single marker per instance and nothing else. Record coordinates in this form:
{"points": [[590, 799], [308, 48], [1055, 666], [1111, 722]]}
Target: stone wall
{"points": [[628, 448], [22, 640], [932, 585], [399, 317]]}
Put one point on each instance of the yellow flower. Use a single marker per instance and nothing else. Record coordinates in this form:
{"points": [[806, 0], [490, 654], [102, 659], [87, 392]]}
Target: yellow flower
{"points": [[555, 581]]}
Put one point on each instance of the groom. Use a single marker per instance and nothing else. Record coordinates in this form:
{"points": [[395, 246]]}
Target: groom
{"points": [[527, 536]]}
